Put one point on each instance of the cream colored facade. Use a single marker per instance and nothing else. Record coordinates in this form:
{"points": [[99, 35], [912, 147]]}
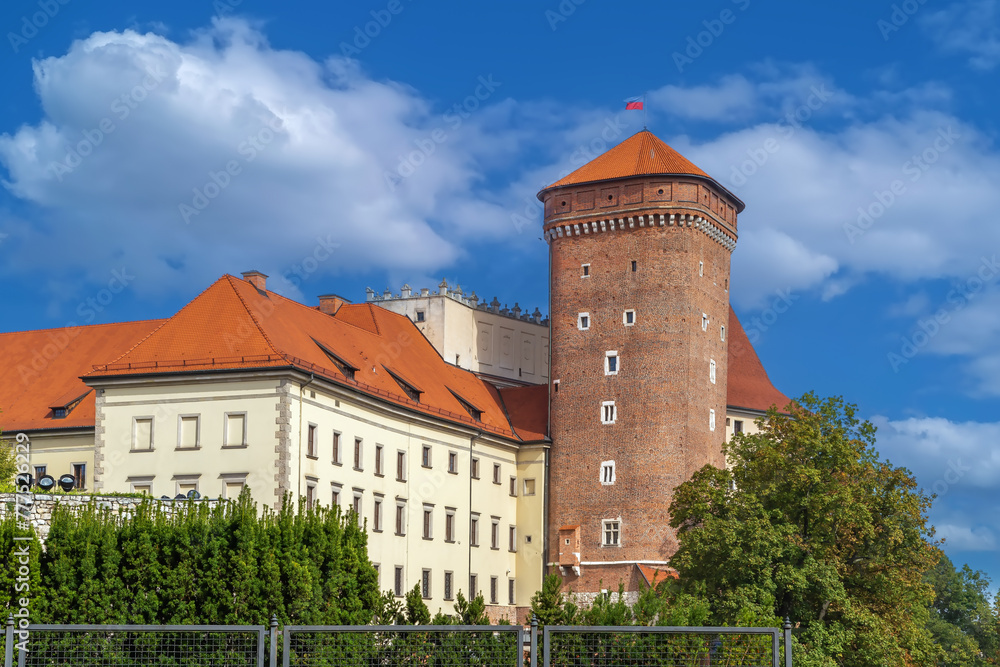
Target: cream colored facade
{"points": [[406, 462], [62, 452], [744, 421], [480, 337]]}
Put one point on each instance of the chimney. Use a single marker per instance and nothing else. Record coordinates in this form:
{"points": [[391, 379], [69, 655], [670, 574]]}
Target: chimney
{"points": [[256, 278], [405, 292], [331, 303]]}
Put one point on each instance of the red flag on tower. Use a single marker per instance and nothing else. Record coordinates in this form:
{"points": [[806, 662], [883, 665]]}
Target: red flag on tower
{"points": [[634, 103]]}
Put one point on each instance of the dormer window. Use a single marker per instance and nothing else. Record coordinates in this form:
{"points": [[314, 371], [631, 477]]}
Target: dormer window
{"points": [[63, 407], [59, 413], [347, 369], [473, 411], [411, 391]]}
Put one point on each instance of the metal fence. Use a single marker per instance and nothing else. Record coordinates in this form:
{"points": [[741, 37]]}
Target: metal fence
{"points": [[580, 646], [397, 646], [393, 645], [135, 645]]}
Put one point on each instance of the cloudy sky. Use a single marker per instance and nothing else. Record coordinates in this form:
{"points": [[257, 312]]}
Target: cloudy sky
{"points": [[389, 141]]}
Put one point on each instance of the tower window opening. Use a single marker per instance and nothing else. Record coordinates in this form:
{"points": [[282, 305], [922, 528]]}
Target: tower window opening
{"points": [[711, 371], [609, 413], [701, 268], [586, 270], [704, 322], [607, 473], [635, 266], [583, 321], [628, 318], [611, 363], [711, 420], [722, 332], [611, 533], [738, 426]]}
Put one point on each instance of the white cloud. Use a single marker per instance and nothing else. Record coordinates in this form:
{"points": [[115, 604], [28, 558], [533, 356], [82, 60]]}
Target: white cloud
{"points": [[970, 27], [312, 143]]}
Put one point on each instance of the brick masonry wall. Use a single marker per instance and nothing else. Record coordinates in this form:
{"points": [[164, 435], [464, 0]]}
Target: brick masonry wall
{"points": [[43, 504], [662, 391]]}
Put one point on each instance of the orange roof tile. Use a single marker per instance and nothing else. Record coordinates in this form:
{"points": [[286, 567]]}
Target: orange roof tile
{"points": [[654, 576], [528, 410], [232, 325], [748, 384], [41, 370], [642, 154]]}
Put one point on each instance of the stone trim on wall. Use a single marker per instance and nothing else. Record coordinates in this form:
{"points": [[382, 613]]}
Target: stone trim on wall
{"points": [[283, 448], [99, 431], [705, 225]]}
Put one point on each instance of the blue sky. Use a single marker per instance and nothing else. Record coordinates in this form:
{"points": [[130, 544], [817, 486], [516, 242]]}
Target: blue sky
{"points": [[146, 150]]}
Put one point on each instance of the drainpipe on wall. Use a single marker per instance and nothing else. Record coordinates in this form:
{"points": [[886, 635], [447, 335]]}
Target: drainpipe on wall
{"points": [[302, 392]]}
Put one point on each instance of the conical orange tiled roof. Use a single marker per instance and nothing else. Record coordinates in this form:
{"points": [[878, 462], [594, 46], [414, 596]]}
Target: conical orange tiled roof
{"points": [[642, 154]]}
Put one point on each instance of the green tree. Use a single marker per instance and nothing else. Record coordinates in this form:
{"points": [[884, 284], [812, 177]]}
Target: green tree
{"points": [[417, 612], [808, 522], [8, 464], [961, 619]]}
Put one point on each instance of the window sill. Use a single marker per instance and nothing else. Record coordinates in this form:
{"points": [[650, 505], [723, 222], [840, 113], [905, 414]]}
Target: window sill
{"points": [[379, 474], [401, 479], [428, 539], [141, 451], [452, 472], [400, 534], [186, 449], [494, 548], [376, 530], [449, 541], [359, 469], [234, 446], [336, 463], [312, 458]]}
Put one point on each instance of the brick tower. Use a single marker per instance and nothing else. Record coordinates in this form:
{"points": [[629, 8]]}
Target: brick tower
{"points": [[639, 248]]}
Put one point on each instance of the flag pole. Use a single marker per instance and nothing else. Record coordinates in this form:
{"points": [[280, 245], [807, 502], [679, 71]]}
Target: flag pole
{"points": [[644, 109]]}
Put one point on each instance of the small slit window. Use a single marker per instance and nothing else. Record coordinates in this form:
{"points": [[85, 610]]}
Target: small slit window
{"points": [[711, 420], [628, 318], [586, 271], [583, 321], [609, 414], [611, 363], [635, 266], [704, 322], [607, 473], [711, 371], [701, 268], [722, 333]]}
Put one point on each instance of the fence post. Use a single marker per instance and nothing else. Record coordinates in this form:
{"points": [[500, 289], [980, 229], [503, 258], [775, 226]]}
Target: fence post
{"points": [[8, 646], [274, 641], [534, 641], [546, 647], [788, 642]]}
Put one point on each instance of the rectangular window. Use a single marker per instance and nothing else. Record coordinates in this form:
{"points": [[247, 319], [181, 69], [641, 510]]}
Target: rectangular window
{"points": [[704, 322], [722, 333], [738, 426], [233, 489], [358, 494], [425, 584], [448, 592], [586, 270], [711, 420], [474, 530], [236, 429], [311, 441], [609, 414], [39, 472], [377, 515], [583, 321], [453, 462], [510, 592], [337, 456], [335, 490], [401, 517], [475, 468], [378, 460], [495, 533], [428, 522], [420, 316], [400, 466], [142, 434], [378, 575], [711, 371], [145, 489], [611, 363], [425, 456], [187, 431], [611, 533], [357, 454], [185, 488], [80, 476], [701, 268], [608, 473], [496, 473], [513, 487], [635, 266], [449, 525], [628, 318], [529, 487], [310, 496], [398, 584], [512, 538], [494, 585], [473, 586]]}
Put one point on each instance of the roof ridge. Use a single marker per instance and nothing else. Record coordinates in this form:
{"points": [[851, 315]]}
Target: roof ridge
{"points": [[80, 326], [249, 310]]}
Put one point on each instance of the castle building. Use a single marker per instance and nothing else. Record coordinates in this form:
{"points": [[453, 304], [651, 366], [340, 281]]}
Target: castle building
{"points": [[479, 454]]}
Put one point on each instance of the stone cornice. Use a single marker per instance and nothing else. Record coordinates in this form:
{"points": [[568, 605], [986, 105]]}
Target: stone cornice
{"points": [[707, 226]]}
